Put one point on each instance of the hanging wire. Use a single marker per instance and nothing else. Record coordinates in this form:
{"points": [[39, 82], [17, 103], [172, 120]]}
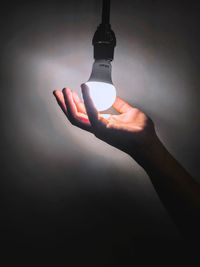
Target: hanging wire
{"points": [[106, 12]]}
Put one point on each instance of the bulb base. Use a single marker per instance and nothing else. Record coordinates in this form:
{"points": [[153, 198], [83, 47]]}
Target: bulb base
{"points": [[104, 42]]}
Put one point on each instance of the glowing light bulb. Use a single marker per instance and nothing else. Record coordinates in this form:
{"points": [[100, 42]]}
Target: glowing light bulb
{"points": [[101, 88], [102, 94]]}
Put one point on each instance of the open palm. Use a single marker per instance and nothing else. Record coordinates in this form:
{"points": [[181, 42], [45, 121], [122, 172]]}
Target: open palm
{"points": [[126, 131]]}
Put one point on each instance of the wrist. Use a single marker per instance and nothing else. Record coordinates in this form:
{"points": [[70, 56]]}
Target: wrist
{"points": [[150, 153]]}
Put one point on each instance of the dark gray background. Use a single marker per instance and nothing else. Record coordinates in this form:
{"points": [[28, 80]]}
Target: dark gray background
{"points": [[60, 185]]}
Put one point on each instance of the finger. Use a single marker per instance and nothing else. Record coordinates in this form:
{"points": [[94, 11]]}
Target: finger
{"points": [[89, 105], [79, 104], [61, 101], [71, 107], [121, 106], [82, 114], [76, 118]]}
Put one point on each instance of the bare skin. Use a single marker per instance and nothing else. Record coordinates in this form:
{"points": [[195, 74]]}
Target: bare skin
{"points": [[133, 132]]}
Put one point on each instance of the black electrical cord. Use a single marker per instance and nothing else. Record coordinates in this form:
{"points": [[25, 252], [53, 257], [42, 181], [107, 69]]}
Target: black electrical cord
{"points": [[106, 12], [104, 40]]}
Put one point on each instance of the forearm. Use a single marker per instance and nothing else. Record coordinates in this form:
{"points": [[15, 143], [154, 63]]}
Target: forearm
{"points": [[177, 190]]}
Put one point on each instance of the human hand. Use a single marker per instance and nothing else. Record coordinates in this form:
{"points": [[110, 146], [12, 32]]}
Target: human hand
{"points": [[131, 131]]}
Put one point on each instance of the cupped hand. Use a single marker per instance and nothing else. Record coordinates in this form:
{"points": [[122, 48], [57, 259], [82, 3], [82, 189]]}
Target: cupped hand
{"points": [[130, 131]]}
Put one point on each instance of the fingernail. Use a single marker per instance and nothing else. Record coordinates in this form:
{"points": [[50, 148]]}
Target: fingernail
{"points": [[84, 85], [84, 88], [68, 90]]}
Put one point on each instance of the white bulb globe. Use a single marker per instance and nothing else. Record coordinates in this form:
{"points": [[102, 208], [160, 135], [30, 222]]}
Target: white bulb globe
{"points": [[103, 94]]}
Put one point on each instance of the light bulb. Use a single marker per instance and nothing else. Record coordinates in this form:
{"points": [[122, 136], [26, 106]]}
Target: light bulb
{"points": [[101, 88]]}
